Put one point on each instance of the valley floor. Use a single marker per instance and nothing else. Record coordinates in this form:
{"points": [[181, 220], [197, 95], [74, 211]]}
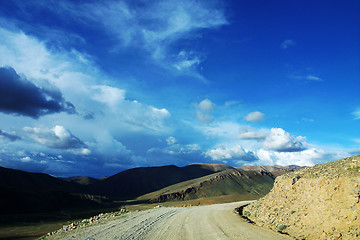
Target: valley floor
{"points": [[218, 221]]}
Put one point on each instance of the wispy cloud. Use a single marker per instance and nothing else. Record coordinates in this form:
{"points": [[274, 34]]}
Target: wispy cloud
{"points": [[185, 63], [287, 43], [8, 136], [304, 119], [251, 134], [308, 78], [314, 78], [154, 27], [231, 103], [186, 153], [356, 113]]}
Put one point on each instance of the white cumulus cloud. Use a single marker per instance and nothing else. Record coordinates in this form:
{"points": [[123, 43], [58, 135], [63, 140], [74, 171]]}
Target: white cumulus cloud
{"points": [[306, 157], [235, 152], [107, 94], [282, 141], [204, 111], [56, 137], [255, 117]]}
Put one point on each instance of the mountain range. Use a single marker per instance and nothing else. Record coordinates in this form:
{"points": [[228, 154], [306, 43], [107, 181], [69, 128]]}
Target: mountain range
{"points": [[37, 192]]}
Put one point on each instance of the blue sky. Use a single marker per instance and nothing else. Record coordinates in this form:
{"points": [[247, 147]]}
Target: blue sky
{"points": [[97, 87]]}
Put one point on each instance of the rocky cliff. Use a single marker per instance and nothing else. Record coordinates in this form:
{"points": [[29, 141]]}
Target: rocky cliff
{"points": [[319, 202]]}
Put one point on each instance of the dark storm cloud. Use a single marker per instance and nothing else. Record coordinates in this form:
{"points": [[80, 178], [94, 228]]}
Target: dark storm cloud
{"points": [[21, 97]]}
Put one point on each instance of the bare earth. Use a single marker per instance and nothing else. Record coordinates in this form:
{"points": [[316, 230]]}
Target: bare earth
{"points": [[217, 221]]}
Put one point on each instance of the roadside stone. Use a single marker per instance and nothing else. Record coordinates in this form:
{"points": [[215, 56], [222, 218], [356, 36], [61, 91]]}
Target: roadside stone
{"points": [[295, 179]]}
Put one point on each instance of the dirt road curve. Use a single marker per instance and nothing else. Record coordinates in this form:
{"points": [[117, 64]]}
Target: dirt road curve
{"points": [[192, 223]]}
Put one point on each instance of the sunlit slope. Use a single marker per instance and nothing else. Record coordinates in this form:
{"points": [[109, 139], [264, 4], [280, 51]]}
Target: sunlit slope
{"points": [[229, 182], [319, 202], [135, 182]]}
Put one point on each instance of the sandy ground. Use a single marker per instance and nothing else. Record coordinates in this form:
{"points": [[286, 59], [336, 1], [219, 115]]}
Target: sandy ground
{"points": [[217, 221]]}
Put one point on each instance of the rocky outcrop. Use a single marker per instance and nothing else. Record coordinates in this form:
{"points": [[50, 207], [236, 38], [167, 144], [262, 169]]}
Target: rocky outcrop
{"points": [[276, 170], [319, 202], [175, 196]]}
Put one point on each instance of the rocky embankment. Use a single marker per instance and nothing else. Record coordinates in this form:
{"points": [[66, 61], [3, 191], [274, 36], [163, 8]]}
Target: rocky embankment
{"points": [[319, 202]]}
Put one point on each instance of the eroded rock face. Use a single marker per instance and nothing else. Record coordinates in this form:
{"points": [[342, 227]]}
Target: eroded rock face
{"points": [[174, 196], [320, 202]]}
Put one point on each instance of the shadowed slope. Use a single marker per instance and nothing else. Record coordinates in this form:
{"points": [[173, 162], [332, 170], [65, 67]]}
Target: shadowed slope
{"points": [[35, 192], [135, 182], [34, 182], [83, 180]]}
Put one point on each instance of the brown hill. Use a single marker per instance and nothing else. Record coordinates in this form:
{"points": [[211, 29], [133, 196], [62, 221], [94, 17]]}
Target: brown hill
{"points": [[212, 167], [276, 170], [319, 202], [34, 182], [83, 180], [230, 182], [35, 192], [135, 182]]}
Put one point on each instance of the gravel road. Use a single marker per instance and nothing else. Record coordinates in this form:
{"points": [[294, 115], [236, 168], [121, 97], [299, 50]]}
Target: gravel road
{"points": [[217, 221]]}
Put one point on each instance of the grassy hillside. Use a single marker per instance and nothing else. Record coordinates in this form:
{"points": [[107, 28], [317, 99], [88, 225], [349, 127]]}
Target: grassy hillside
{"points": [[228, 182], [37, 192], [135, 182]]}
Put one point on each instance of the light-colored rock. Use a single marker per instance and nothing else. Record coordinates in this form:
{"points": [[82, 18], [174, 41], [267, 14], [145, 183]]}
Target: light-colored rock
{"points": [[321, 202]]}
